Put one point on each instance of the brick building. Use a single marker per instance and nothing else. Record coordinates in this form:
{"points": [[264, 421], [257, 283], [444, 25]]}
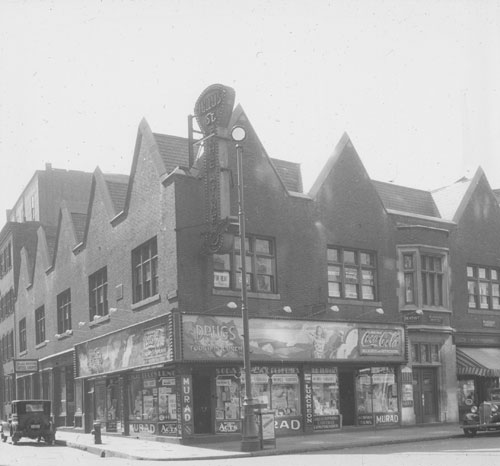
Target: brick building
{"points": [[355, 290]]}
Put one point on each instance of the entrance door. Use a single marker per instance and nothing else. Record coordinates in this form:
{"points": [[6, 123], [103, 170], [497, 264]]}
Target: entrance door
{"points": [[425, 395], [202, 404], [346, 395]]}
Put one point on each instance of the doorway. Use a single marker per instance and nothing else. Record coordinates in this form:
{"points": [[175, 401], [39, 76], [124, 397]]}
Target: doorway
{"points": [[346, 398], [202, 404], [425, 394]]}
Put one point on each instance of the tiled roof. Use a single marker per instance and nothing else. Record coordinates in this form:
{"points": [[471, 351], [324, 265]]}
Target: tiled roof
{"points": [[496, 192], [51, 236], [173, 151], [289, 173], [448, 199], [410, 200], [79, 223], [117, 187]]}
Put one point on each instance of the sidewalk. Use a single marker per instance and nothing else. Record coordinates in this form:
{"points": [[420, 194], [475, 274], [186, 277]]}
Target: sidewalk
{"points": [[133, 448]]}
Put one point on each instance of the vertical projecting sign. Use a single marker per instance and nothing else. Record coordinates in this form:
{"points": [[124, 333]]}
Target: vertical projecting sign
{"points": [[213, 110]]}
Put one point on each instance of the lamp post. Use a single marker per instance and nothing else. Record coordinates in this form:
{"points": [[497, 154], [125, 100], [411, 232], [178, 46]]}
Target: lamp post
{"points": [[249, 432]]}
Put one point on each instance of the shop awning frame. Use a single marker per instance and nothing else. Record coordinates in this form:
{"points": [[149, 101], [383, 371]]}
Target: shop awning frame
{"points": [[482, 362]]}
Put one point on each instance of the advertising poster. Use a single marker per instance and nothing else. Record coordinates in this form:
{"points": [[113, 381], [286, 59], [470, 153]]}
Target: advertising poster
{"points": [[132, 347], [216, 337]]}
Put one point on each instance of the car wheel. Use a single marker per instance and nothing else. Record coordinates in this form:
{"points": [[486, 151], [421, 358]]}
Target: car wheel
{"points": [[470, 432]]}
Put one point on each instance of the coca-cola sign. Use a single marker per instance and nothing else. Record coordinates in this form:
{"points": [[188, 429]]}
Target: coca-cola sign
{"points": [[374, 341]]}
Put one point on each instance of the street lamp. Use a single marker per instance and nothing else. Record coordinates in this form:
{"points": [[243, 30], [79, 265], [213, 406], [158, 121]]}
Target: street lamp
{"points": [[249, 432]]}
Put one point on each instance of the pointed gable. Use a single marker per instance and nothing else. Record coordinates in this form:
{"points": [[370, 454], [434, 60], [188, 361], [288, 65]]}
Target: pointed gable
{"points": [[290, 174], [403, 199], [79, 223], [117, 186]]}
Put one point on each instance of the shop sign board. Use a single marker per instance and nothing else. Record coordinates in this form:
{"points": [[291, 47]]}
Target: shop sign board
{"points": [[217, 337], [386, 419], [327, 422], [308, 380], [167, 428], [228, 427], [128, 348], [365, 419], [187, 405], [288, 425], [143, 428], [268, 424], [25, 365]]}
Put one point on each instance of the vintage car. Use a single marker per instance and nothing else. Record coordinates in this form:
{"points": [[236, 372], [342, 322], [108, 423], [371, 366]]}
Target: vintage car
{"points": [[29, 418], [486, 417]]}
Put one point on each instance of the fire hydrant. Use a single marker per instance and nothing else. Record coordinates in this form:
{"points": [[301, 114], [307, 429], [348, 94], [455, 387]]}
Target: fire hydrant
{"points": [[97, 433]]}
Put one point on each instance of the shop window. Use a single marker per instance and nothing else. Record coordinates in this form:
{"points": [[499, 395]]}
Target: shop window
{"points": [[325, 392], [60, 407], [424, 275], [260, 266], [466, 394], [483, 284], [285, 394], [145, 270], [228, 398], [351, 274], [98, 293], [64, 311], [376, 393], [40, 325], [22, 335]]}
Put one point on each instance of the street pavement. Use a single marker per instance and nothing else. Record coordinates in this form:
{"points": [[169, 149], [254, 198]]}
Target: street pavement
{"points": [[141, 449]]}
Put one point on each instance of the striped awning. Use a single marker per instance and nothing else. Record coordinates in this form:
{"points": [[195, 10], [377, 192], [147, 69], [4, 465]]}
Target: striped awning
{"points": [[484, 362]]}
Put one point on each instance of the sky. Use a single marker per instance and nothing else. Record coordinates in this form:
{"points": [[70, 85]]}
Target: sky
{"points": [[415, 84]]}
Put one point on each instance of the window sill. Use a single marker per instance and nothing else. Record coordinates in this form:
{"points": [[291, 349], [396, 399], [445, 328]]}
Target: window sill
{"points": [[41, 345], [23, 353], [485, 312], [414, 308], [99, 321], [145, 302], [250, 294], [355, 302], [64, 335]]}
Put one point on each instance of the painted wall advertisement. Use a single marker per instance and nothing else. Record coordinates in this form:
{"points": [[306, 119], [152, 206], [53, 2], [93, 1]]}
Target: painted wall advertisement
{"points": [[216, 337], [132, 347]]}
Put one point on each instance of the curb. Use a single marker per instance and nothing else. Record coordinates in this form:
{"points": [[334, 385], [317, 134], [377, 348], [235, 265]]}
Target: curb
{"points": [[103, 452]]}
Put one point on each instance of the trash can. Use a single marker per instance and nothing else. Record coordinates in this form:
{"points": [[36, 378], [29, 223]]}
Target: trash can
{"points": [[267, 432], [96, 432]]}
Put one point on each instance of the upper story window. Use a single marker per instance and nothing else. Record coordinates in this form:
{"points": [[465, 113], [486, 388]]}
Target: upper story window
{"points": [[64, 311], [10, 344], [7, 302], [22, 335], [145, 270], [260, 266], [98, 293], [483, 284], [40, 325], [351, 274], [5, 260], [425, 275]]}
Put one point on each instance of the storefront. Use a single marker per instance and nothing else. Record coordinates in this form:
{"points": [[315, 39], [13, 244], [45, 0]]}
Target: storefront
{"points": [[314, 376], [124, 381], [478, 370]]}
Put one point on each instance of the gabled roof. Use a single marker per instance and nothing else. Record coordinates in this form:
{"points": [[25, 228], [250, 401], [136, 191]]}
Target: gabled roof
{"points": [[403, 199], [496, 192], [289, 173], [117, 187], [449, 198], [173, 150], [51, 238]]}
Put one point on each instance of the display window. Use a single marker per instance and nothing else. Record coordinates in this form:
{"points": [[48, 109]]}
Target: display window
{"points": [[228, 398], [325, 394], [285, 394], [261, 391], [377, 396]]}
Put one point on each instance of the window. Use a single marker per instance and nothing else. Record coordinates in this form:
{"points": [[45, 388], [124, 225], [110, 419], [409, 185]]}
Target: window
{"points": [[424, 274], [98, 293], [40, 325], [483, 284], [424, 353], [22, 335], [64, 311], [5, 260], [351, 274], [260, 266], [145, 270], [10, 344]]}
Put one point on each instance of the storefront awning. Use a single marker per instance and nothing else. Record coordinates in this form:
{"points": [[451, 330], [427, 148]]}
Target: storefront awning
{"points": [[484, 362]]}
